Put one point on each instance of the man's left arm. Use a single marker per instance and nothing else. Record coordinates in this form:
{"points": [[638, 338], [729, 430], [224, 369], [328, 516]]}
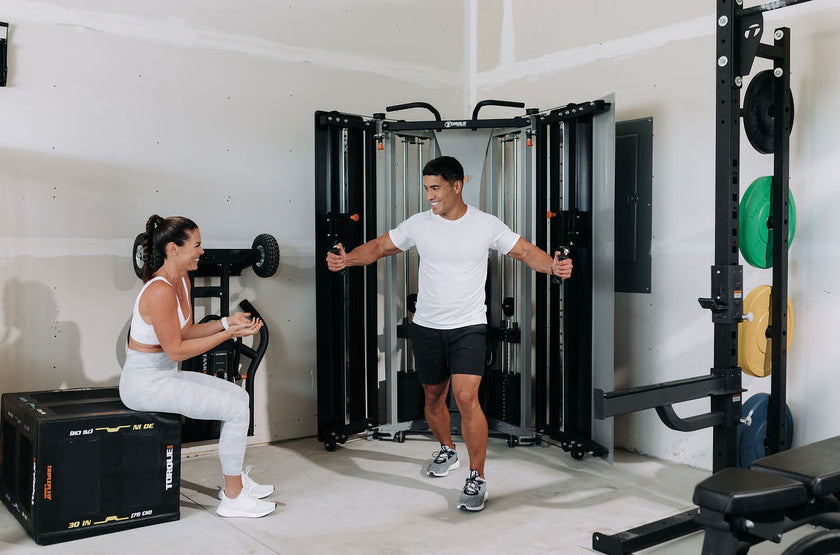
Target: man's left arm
{"points": [[539, 260]]}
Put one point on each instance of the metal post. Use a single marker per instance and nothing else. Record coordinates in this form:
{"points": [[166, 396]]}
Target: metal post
{"points": [[342, 209], [503, 192], [389, 278], [405, 254], [776, 439], [524, 356], [727, 179]]}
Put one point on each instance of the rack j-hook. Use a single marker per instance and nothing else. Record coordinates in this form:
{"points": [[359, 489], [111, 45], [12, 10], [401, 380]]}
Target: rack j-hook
{"points": [[4, 41]]}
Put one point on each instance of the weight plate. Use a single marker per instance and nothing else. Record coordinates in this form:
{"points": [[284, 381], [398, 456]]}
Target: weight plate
{"points": [[759, 111], [755, 240], [754, 347], [751, 437]]}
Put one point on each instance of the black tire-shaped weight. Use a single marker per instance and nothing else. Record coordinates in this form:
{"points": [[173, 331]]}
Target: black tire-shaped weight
{"points": [[759, 112], [330, 444], [268, 255], [137, 257]]}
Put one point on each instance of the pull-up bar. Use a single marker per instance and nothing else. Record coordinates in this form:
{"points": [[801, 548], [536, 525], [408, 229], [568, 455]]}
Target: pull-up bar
{"points": [[769, 6]]}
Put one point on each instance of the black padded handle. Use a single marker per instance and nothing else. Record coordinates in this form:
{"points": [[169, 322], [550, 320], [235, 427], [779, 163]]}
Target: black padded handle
{"points": [[506, 103], [425, 105]]}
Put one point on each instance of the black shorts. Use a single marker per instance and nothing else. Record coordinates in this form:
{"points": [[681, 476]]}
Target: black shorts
{"points": [[440, 353]]}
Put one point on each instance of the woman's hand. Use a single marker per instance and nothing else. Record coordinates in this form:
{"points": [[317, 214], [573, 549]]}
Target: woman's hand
{"points": [[239, 318], [244, 326]]}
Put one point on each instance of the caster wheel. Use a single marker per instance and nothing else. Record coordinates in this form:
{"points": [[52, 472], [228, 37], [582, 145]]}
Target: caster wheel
{"points": [[511, 441], [577, 454], [399, 437], [330, 444], [268, 255]]}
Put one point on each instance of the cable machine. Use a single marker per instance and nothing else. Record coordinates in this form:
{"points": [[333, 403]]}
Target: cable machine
{"points": [[739, 32], [544, 173]]}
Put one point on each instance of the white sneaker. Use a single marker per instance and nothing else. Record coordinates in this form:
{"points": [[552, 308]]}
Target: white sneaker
{"points": [[244, 505], [248, 485]]}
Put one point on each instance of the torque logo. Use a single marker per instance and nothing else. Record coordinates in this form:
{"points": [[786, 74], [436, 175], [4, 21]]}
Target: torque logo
{"points": [[169, 466], [48, 484], [455, 124]]}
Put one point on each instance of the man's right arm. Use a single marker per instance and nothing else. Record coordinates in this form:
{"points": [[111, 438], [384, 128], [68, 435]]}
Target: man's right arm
{"points": [[362, 255]]}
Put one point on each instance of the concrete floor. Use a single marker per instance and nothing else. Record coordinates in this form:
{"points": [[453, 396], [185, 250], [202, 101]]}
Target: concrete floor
{"points": [[372, 497]]}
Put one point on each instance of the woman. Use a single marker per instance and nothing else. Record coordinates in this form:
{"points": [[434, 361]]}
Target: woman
{"points": [[162, 334]]}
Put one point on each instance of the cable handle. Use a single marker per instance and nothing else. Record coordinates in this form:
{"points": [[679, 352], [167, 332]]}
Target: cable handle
{"points": [[561, 253], [335, 250]]}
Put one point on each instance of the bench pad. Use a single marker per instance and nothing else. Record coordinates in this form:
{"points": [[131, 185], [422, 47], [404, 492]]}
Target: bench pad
{"points": [[816, 466], [741, 491]]}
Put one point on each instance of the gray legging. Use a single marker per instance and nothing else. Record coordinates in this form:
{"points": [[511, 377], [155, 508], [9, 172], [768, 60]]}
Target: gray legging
{"points": [[152, 382]]}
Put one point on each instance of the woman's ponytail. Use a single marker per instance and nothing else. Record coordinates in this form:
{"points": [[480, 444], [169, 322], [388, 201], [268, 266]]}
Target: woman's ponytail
{"points": [[148, 246]]}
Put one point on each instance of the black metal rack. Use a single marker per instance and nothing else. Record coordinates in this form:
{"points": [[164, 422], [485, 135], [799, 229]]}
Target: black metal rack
{"points": [[738, 42], [224, 360], [347, 350], [347, 318]]}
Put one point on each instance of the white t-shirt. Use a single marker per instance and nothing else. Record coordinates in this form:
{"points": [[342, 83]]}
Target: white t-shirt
{"points": [[453, 264]]}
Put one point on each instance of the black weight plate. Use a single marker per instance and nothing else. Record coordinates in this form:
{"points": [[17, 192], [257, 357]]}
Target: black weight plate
{"points": [[759, 112]]}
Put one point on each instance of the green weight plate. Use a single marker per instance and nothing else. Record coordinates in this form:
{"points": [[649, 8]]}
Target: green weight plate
{"points": [[755, 240]]}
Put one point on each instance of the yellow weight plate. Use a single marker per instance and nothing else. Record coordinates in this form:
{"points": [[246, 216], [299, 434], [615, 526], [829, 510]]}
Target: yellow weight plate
{"points": [[754, 347]]}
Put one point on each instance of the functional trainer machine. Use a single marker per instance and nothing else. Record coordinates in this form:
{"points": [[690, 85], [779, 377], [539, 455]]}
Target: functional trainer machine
{"points": [[544, 173], [767, 121]]}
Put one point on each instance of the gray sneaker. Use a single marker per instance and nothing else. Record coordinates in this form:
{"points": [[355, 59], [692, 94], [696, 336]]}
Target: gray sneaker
{"points": [[444, 460], [474, 493]]}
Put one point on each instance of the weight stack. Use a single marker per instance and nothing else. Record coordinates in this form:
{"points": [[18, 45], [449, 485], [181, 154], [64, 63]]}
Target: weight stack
{"points": [[77, 463], [503, 400]]}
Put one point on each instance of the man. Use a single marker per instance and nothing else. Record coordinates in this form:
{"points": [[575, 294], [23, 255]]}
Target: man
{"points": [[449, 326]]}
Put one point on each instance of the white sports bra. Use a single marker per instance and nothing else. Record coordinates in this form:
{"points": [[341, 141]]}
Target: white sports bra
{"points": [[145, 333]]}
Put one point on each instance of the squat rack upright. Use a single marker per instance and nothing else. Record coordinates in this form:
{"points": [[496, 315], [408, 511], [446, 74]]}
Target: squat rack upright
{"points": [[738, 42]]}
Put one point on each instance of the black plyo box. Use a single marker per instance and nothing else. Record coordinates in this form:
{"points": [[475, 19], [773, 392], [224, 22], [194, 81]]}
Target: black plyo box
{"points": [[76, 463]]}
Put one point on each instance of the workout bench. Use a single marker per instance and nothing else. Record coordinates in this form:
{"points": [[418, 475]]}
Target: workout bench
{"points": [[742, 507]]}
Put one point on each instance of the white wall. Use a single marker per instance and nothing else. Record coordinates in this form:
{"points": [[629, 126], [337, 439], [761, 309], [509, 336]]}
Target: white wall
{"points": [[661, 63], [114, 111]]}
